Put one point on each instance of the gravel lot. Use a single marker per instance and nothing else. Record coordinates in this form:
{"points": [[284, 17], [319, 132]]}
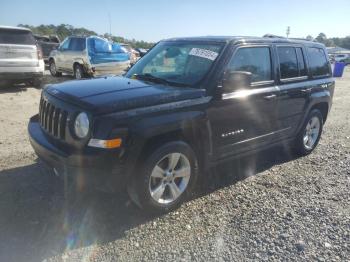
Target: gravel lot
{"points": [[265, 207]]}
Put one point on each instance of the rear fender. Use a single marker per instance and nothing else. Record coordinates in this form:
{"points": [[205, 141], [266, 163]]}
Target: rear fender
{"points": [[324, 96]]}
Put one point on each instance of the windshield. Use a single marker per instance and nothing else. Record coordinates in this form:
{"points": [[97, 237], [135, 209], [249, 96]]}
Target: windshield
{"points": [[176, 62]]}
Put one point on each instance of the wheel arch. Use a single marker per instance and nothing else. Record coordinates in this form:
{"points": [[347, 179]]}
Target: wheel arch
{"points": [[192, 131], [323, 107]]}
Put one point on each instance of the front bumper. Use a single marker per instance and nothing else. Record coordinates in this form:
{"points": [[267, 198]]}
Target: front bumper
{"points": [[92, 167]]}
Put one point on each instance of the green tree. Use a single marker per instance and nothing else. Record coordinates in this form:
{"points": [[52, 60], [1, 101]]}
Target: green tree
{"points": [[322, 38], [64, 30]]}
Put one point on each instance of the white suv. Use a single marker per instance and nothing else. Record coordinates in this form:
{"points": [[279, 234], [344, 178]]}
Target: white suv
{"points": [[20, 58]]}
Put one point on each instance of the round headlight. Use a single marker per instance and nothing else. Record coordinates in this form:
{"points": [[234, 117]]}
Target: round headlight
{"points": [[81, 125]]}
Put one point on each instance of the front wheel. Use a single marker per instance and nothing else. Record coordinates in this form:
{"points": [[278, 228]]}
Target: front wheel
{"points": [[310, 134], [165, 179], [53, 68]]}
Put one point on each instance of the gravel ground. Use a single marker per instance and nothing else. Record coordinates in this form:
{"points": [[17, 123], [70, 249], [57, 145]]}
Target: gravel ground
{"points": [[269, 206]]}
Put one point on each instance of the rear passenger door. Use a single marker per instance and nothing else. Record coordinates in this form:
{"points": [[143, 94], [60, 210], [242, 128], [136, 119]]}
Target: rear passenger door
{"points": [[293, 85], [75, 51]]}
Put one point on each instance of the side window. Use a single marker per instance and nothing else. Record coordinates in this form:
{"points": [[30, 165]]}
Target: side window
{"points": [[256, 60], [288, 62], [102, 46], [301, 62], [318, 62], [77, 44], [65, 44]]}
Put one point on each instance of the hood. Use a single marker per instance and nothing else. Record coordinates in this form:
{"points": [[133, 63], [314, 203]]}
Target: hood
{"points": [[112, 94]]}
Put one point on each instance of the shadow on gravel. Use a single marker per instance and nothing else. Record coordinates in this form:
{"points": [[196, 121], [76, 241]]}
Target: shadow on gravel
{"points": [[12, 88], [36, 222]]}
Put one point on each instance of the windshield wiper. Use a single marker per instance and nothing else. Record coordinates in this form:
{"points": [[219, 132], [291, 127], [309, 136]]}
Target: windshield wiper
{"points": [[159, 80]]}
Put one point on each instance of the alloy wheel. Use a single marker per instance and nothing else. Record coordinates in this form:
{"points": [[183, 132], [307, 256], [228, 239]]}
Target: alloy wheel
{"points": [[169, 178], [78, 73], [311, 133], [53, 68]]}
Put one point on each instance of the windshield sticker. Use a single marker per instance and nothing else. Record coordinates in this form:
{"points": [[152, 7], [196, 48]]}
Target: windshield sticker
{"points": [[211, 55]]}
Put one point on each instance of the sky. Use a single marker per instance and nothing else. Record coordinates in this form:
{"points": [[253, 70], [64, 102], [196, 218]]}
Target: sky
{"points": [[153, 20]]}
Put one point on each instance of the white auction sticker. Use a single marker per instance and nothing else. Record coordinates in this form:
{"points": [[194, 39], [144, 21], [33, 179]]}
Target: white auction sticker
{"points": [[208, 54]]}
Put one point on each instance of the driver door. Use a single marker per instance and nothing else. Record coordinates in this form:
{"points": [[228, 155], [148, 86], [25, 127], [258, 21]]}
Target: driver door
{"points": [[246, 118], [60, 60]]}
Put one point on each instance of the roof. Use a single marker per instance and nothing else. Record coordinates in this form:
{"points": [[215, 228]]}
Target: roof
{"points": [[14, 28], [245, 39]]}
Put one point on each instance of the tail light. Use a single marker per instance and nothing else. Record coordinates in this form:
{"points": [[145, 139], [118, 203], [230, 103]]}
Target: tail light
{"points": [[39, 52]]}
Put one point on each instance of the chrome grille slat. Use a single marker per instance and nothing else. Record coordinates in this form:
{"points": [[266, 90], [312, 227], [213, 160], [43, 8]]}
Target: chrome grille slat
{"points": [[63, 124], [59, 133], [43, 113], [52, 119], [55, 121], [40, 109], [46, 112]]}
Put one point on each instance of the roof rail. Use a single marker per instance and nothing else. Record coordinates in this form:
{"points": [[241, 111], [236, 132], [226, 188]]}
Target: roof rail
{"points": [[272, 36]]}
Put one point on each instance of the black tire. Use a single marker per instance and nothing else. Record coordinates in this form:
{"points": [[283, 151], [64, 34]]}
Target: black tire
{"points": [[78, 71], [299, 146], [53, 69], [37, 82], [139, 185]]}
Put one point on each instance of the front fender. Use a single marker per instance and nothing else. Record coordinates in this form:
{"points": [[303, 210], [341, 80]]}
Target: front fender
{"points": [[191, 125]]}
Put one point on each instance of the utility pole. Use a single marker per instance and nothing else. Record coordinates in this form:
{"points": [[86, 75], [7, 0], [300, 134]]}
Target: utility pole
{"points": [[288, 31]]}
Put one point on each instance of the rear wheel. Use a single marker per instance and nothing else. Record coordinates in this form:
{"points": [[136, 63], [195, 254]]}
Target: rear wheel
{"points": [[78, 71], [165, 179], [53, 68], [310, 134]]}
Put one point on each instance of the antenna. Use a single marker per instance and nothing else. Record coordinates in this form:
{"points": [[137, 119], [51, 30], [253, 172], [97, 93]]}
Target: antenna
{"points": [[110, 24], [288, 31]]}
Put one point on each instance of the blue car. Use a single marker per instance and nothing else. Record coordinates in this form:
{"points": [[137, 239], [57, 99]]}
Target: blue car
{"points": [[88, 57]]}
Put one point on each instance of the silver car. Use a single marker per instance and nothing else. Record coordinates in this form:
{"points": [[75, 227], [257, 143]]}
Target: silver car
{"points": [[20, 58], [88, 57]]}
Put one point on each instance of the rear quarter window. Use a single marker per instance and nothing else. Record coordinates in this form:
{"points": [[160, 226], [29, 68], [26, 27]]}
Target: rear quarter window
{"points": [[318, 62], [18, 37]]}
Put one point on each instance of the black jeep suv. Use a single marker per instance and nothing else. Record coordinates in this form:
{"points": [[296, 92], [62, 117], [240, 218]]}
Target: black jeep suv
{"points": [[187, 105]]}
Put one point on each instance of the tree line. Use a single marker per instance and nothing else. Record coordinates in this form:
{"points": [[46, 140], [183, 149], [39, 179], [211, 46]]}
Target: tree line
{"points": [[343, 42], [64, 30]]}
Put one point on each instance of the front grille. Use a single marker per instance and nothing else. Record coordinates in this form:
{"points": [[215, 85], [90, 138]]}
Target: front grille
{"points": [[52, 119]]}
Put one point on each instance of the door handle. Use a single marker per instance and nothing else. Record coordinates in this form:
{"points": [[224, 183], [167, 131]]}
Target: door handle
{"points": [[307, 90], [270, 97]]}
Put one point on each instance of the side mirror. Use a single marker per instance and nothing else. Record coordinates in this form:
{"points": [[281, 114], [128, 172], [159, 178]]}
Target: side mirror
{"points": [[234, 80]]}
